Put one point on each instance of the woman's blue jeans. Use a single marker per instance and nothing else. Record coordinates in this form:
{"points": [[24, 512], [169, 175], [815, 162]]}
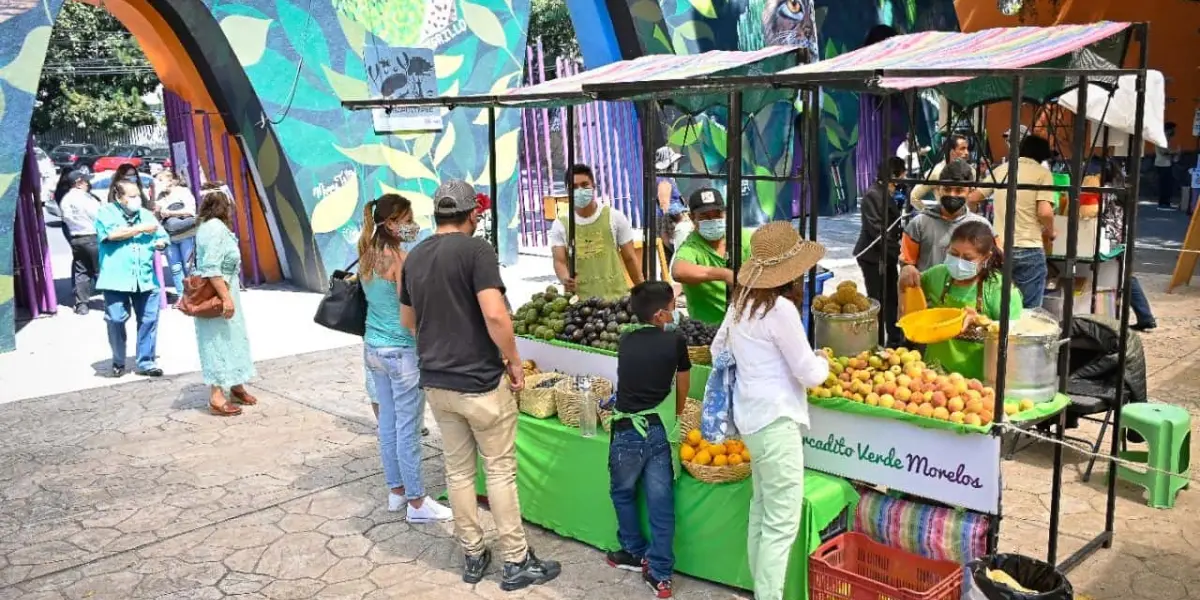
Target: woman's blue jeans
{"points": [[178, 254], [401, 413]]}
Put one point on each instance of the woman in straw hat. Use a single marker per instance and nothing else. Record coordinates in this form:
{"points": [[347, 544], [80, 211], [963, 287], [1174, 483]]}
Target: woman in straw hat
{"points": [[776, 366]]}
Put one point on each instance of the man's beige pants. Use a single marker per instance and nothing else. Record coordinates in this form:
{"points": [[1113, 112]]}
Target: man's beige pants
{"points": [[485, 424]]}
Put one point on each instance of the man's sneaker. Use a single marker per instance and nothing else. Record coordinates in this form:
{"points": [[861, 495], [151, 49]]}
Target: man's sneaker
{"points": [[396, 502], [476, 565], [430, 512], [661, 587], [625, 561], [531, 572]]}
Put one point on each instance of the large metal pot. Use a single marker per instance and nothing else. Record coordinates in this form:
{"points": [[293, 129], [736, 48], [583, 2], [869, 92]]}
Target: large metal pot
{"points": [[847, 335], [1032, 362]]}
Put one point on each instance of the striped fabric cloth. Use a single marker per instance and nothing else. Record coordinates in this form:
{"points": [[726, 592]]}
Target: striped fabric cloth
{"points": [[930, 531]]}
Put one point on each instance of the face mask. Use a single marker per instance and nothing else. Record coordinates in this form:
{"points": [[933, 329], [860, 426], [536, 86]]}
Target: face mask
{"points": [[953, 204], [405, 232], [960, 268], [584, 196], [133, 204], [712, 229], [674, 324]]}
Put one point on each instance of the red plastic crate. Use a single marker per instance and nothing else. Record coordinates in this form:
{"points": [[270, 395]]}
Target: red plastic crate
{"points": [[852, 566]]}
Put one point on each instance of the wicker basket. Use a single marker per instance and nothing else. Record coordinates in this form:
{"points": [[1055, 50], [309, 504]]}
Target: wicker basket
{"points": [[539, 402], [700, 355], [690, 418], [567, 395], [711, 474], [605, 419]]}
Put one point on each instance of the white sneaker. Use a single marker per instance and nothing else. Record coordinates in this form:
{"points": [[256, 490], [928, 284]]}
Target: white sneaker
{"points": [[396, 502], [430, 512]]}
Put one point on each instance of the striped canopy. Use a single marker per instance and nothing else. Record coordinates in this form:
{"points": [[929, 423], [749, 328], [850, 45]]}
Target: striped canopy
{"points": [[1094, 46]]}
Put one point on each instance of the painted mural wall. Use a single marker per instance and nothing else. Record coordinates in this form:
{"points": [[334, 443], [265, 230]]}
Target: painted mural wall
{"points": [[279, 69]]}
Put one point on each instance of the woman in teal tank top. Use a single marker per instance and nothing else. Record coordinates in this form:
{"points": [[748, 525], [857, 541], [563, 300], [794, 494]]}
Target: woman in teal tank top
{"points": [[390, 353]]}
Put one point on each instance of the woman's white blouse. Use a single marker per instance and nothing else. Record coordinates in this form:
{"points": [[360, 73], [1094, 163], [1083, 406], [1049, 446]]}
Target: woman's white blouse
{"points": [[775, 366]]}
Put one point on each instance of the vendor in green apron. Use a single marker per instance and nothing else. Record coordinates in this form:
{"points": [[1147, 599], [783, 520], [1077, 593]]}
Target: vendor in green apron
{"points": [[969, 277], [604, 250], [701, 263]]}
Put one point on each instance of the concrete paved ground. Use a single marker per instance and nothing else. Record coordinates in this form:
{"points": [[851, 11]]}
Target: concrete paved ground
{"points": [[133, 491]]}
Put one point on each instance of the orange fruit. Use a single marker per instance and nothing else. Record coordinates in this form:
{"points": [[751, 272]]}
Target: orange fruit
{"points": [[720, 460], [717, 449], [686, 453], [746, 455], [693, 437], [702, 458], [735, 459]]}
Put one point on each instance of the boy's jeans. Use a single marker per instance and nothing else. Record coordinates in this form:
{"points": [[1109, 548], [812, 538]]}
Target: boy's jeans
{"points": [[401, 412], [632, 458], [1029, 275]]}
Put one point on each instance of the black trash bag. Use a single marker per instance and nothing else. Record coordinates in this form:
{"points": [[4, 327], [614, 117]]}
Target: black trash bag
{"points": [[1029, 572]]}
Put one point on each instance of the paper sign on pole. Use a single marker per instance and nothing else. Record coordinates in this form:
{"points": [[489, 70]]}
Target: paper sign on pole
{"points": [[402, 73]]}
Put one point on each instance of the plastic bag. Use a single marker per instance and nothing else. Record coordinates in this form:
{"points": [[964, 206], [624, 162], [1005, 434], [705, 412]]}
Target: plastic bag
{"points": [[716, 414], [1046, 581]]}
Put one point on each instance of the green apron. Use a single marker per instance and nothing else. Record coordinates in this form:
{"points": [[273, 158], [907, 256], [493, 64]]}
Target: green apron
{"points": [[958, 355], [599, 271]]}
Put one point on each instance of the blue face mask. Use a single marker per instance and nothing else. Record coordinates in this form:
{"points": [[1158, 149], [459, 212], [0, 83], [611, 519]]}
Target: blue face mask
{"points": [[584, 196], [674, 324], [712, 229], [960, 268]]}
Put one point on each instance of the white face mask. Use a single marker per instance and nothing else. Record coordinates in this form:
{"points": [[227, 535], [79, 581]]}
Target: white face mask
{"points": [[133, 204]]}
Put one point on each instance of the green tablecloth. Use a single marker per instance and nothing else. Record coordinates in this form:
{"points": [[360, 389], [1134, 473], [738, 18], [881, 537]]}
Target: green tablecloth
{"points": [[563, 482]]}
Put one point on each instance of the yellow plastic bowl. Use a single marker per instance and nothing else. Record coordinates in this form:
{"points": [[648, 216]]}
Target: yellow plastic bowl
{"points": [[932, 325]]}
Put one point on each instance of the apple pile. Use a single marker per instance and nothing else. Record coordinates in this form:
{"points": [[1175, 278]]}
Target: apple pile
{"points": [[898, 379]]}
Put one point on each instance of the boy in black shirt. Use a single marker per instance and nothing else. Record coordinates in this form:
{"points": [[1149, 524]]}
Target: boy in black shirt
{"points": [[649, 359]]}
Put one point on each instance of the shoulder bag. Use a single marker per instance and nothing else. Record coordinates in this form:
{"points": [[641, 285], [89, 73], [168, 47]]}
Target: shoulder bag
{"points": [[344, 307], [199, 298]]}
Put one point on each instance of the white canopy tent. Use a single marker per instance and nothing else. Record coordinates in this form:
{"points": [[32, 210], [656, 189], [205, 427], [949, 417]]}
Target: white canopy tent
{"points": [[1117, 108]]}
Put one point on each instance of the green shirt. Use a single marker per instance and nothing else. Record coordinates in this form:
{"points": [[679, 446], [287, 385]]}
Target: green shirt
{"points": [[126, 265], [706, 301], [959, 355]]}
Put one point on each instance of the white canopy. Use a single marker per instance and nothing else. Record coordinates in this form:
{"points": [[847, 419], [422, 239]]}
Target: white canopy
{"points": [[1119, 116]]}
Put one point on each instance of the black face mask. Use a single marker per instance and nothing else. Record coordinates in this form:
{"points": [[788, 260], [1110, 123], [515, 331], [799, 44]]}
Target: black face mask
{"points": [[953, 204]]}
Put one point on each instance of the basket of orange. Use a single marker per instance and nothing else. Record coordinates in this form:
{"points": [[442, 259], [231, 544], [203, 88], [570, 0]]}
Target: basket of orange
{"points": [[724, 462]]}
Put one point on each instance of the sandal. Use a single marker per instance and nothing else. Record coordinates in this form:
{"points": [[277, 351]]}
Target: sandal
{"points": [[243, 397], [224, 410]]}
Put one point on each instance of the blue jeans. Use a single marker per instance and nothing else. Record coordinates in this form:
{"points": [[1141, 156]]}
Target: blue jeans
{"points": [[1139, 304], [178, 254], [632, 458], [401, 413], [116, 312], [1029, 275]]}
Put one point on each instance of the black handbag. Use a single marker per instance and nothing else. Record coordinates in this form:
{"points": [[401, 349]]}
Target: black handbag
{"points": [[344, 307], [177, 225]]}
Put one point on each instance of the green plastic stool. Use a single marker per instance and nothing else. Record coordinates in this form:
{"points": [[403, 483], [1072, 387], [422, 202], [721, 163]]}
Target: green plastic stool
{"points": [[1168, 433]]}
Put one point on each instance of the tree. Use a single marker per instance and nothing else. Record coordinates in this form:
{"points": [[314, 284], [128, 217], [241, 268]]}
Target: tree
{"points": [[551, 20], [95, 74]]}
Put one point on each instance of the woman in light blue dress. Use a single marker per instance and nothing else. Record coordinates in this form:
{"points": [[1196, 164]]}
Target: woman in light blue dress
{"points": [[224, 348], [390, 353]]}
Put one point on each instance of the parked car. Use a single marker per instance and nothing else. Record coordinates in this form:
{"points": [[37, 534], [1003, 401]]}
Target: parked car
{"points": [[102, 181], [80, 157], [121, 155], [159, 159]]}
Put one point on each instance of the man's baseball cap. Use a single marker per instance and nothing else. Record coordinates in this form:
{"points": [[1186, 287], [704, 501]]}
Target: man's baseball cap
{"points": [[454, 197], [705, 199], [75, 177]]}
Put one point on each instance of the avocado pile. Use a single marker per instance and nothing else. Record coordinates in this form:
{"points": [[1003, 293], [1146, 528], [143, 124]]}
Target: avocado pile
{"points": [[697, 333], [543, 317], [597, 323]]}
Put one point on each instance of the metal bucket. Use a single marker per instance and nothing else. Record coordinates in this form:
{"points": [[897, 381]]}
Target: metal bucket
{"points": [[1032, 364], [847, 335]]}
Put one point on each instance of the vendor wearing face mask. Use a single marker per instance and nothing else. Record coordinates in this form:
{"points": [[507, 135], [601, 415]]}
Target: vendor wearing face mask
{"points": [[604, 250], [927, 235], [701, 263], [969, 278]]}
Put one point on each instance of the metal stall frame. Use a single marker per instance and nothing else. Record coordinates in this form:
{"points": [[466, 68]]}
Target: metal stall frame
{"points": [[870, 79], [570, 99]]}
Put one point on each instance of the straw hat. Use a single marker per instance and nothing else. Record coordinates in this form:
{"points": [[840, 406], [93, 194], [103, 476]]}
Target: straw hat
{"points": [[778, 255]]}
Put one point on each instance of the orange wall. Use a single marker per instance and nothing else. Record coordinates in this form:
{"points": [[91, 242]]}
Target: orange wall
{"points": [[177, 72], [1174, 47]]}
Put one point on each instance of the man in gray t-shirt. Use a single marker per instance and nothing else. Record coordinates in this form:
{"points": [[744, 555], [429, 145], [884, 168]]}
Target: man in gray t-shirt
{"points": [[452, 298], [927, 235]]}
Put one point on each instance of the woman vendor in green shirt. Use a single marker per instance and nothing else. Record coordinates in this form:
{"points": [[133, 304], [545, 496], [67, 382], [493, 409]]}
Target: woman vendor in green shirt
{"points": [[968, 278], [701, 263]]}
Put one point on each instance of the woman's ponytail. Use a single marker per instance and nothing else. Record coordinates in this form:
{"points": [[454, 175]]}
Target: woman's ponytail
{"points": [[368, 228]]}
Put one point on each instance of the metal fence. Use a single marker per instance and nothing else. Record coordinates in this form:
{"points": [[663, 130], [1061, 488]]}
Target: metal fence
{"points": [[154, 136]]}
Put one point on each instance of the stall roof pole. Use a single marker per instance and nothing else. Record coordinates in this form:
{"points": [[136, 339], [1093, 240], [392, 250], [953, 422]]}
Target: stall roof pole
{"points": [[649, 192], [493, 186], [1068, 314], [885, 155], [812, 182], [568, 138], [733, 194]]}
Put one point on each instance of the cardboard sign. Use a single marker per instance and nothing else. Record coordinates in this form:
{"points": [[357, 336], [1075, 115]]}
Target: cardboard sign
{"points": [[953, 468]]}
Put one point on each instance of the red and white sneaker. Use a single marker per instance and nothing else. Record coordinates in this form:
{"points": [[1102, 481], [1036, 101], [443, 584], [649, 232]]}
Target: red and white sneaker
{"points": [[662, 588]]}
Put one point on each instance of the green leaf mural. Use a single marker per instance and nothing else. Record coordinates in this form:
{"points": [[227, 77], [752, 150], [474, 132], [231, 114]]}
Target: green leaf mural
{"points": [[247, 36], [274, 77], [305, 36], [23, 71]]}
